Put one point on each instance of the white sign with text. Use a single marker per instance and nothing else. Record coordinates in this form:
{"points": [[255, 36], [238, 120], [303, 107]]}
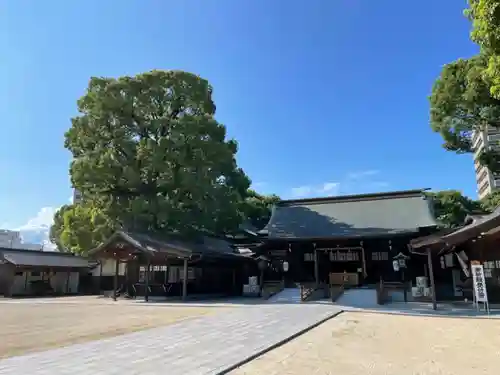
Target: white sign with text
{"points": [[479, 283]]}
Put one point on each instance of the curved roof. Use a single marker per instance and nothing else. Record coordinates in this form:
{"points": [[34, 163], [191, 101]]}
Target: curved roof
{"points": [[352, 216]]}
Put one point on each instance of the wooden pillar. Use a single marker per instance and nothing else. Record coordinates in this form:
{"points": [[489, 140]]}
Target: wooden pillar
{"points": [[316, 268], [26, 282], [234, 282], [68, 274], [167, 272], [363, 259], [146, 281], [115, 280], [185, 280], [431, 279]]}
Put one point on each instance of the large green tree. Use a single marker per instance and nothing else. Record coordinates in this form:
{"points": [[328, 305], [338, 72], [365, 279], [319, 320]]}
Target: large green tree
{"points": [[485, 17], [150, 150], [451, 207], [461, 103]]}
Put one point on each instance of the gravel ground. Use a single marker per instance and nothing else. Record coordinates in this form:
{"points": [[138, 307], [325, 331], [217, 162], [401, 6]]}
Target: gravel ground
{"points": [[381, 344], [29, 327]]}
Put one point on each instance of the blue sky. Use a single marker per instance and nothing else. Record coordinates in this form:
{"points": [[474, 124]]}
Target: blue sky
{"points": [[324, 97]]}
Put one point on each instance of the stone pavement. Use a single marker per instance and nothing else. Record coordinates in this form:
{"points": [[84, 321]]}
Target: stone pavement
{"points": [[205, 345]]}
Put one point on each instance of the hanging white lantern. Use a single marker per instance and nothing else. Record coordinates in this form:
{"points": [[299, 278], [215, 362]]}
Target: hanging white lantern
{"points": [[285, 266]]}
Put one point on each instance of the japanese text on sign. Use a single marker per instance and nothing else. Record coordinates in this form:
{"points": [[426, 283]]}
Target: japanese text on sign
{"points": [[479, 283]]}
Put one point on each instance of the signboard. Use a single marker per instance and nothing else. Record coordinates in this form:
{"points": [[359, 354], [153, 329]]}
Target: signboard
{"points": [[479, 283]]}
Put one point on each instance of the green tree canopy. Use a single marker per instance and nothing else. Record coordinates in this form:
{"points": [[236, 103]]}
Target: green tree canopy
{"points": [[461, 103], [451, 207], [491, 201], [485, 17], [256, 208], [150, 150], [78, 228]]}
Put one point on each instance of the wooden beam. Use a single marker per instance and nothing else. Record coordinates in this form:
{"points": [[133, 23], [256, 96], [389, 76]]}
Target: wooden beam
{"points": [[431, 279], [184, 280]]}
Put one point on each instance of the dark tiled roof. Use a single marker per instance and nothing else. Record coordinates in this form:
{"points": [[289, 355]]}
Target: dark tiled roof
{"points": [[479, 224], [352, 216], [44, 259], [171, 244]]}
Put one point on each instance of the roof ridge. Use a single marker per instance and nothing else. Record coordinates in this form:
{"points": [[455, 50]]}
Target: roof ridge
{"points": [[357, 197]]}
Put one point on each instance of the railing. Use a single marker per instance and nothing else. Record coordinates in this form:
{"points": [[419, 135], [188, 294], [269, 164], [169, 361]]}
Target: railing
{"points": [[270, 288], [383, 288], [311, 290], [306, 291], [336, 291]]}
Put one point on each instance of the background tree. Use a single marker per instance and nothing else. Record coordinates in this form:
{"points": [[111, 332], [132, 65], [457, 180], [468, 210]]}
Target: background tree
{"points": [[491, 201], [57, 227], [485, 17], [256, 208], [78, 228], [150, 150], [461, 103], [451, 207]]}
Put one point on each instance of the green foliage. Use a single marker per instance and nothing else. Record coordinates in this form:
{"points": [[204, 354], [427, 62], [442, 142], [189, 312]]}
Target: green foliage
{"points": [[460, 103], [491, 201], [451, 207], [80, 227], [485, 17], [149, 150], [257, 208]]}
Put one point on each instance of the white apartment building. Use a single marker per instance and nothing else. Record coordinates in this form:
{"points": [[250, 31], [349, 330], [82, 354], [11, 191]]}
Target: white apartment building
{"points": [[11, 239], [486, 180], [77, 196]]}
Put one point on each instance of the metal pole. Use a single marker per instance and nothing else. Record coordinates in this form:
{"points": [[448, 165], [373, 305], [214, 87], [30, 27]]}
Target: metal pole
{"points": [[431, 279]]}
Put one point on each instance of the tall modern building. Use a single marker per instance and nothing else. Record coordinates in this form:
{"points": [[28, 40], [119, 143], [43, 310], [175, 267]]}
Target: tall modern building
{"points": [[486, 180]]}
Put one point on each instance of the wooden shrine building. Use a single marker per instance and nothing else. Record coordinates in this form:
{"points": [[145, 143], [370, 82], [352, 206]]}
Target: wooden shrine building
{"points": [[171, 266], [451, 253], [325, 239]]}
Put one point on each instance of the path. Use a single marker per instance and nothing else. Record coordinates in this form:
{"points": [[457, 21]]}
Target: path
{"points": [[205, 345]]}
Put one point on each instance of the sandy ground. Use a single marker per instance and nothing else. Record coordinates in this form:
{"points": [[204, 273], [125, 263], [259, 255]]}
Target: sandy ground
{"points": [[380, 344], [28, 327]]}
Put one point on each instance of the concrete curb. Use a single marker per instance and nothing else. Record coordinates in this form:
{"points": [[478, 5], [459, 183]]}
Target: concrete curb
{"points": [[277, 345]]}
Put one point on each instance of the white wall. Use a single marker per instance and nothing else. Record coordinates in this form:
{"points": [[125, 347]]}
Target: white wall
{"points": [[108, 268], [58, 282]]}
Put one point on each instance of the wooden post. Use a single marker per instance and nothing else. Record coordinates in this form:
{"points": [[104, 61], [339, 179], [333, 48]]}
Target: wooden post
{"points": [[68, 274], [431, 279], [234, 282], [146, 281], [316, 268], [185, 280], [115, 280], [363, 258], [26, 282]]}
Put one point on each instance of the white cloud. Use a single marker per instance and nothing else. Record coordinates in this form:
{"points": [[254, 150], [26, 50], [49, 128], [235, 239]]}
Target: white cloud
{"points": [[327, 188], [330, 187], [36, 230], [353, 183]]}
